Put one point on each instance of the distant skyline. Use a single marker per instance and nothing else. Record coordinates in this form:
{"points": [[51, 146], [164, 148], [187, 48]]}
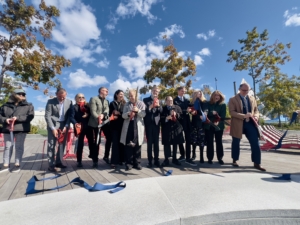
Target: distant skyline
{"points": [[112, 43]]}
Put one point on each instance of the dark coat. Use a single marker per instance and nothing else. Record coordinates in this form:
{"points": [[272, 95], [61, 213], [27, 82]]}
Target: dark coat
{"points": [[24, 112], [196, 121], [77, 117], [151, 114], [118, 123], [185, 117], [169, 127], [221, 110]]}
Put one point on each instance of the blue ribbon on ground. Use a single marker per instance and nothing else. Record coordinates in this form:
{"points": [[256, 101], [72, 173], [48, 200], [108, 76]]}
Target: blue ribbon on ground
{"points": [[113, 188], [169, 172], [286, 176]]}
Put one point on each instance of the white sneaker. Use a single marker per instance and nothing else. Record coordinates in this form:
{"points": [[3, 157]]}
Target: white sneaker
{"points": [[16, 169], [4, 169]]}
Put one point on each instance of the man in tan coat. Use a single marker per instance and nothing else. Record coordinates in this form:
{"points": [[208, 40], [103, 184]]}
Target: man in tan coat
{"points": [[241, 108]]}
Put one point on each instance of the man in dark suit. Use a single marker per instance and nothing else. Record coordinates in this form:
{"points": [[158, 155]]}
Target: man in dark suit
{"points": [[184, 104], [152, 125], [57, 116]]}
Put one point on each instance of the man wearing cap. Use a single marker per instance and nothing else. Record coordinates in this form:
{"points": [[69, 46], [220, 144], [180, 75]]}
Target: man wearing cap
{"points": [[57, 116], [15, 117]]}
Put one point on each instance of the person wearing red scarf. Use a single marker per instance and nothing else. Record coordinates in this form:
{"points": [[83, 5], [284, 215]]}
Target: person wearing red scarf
{"points": [[80, 118]]}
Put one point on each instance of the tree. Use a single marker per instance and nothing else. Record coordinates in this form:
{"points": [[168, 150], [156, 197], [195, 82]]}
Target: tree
{"points": [[21, 51], [259, 58], [172, 72], [281, 95]]}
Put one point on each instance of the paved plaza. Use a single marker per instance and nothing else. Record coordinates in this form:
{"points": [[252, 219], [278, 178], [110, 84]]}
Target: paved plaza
{"points": [[206, 194]]}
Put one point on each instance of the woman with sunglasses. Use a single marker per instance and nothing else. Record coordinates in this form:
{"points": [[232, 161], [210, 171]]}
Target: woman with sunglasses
{"points": [[116, 109], [19, 112], [81, 117]]}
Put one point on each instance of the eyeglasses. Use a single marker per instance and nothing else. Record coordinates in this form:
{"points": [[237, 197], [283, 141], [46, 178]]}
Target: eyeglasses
{"points": [[81, 97], [23, 94]]}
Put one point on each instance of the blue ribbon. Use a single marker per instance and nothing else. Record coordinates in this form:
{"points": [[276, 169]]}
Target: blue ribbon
{"points": [[113, 188], [169, 172]]}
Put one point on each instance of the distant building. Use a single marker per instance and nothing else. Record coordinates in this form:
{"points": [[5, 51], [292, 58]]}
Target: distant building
{"points": [[39, 119]]}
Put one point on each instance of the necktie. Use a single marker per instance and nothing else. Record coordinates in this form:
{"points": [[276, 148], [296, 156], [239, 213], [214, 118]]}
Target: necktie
{"points": [[246, 106]]}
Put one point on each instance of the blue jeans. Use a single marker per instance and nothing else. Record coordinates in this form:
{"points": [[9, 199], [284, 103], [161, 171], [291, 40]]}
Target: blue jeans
{"points": [[252, 135]]}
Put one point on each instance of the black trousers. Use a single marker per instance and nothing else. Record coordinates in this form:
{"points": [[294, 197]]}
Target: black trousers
{"points": [[117, 149], [107, 133], [187, 137], [167, 151], [152, 134], [133, 155], [88, 132], [95, 149], [210, 135]]}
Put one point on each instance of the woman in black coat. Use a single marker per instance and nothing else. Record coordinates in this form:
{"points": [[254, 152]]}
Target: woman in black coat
{"points": [[172, 131], [81, 117], [116, 108], [19, 112]]}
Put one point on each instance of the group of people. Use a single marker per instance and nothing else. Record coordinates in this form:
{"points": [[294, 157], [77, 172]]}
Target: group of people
{"points": [[179, 121]]}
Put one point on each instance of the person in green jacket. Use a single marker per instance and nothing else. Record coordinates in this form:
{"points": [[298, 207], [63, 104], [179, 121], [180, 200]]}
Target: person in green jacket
{"points": [[216, 114]]}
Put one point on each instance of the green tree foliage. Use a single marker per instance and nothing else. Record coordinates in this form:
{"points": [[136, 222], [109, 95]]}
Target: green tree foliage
{"points": [[21, 50], [172, 72], [259, 58], [281, 95]]}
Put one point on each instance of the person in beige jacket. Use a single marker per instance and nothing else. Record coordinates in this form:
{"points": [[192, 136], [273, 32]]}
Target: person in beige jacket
{"points": [[241, 108], [132, 135]]}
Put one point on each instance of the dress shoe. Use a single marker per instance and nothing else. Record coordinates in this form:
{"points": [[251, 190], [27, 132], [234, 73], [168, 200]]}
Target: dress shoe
{"points": [[52, 169], [181, 158], [201, 160], [210, 162], [176, 162], [194, 156], [165, 163], [95, 165], [137, 166], [221, 162], [60, 165], [106, 160], [149, 165], [128, 167], [79, 164], [156, 163], [234, 163], [257, 166]]}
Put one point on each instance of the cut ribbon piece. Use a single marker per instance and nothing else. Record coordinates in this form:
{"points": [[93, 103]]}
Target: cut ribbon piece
{"points": [[113, 188]]}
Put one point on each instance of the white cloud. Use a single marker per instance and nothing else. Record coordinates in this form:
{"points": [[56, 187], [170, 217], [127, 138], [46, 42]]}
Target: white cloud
{"points": [[210, 34], [81, 79], [184, 54], [137, 66], [171, 30], [163, 7], [4, 34], [205, 51], [129, 8], [103, 63], [42, 98], [198, 60], [122, 83], [294, 8], [76, 29], [291, 19]]}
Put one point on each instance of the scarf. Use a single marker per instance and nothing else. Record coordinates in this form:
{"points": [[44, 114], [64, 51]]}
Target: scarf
{"points": [[82, 107]]}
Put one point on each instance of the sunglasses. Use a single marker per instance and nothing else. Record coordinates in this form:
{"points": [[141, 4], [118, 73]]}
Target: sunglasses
{"points": [[23, 94]]}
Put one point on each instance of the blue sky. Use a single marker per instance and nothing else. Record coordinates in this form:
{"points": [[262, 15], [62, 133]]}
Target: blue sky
{"points": [[111, 43]]}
